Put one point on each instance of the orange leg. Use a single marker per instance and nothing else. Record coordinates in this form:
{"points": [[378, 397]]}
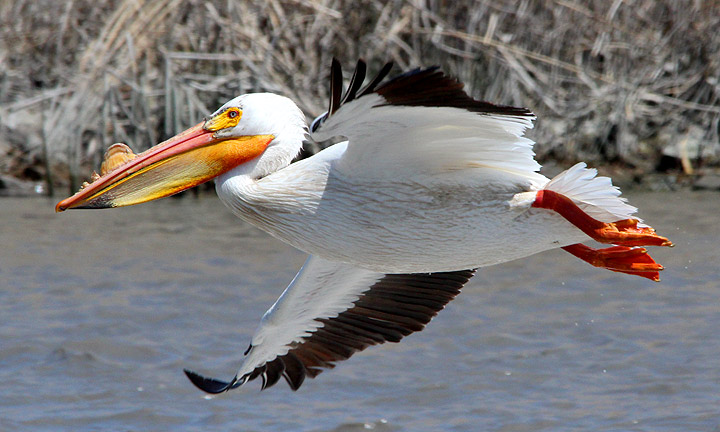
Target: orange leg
{"points": [[624, 232], [634, 261], [623, 258]]}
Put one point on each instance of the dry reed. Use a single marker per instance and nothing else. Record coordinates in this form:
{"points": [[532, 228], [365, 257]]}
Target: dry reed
{"points": [[629, 82]]}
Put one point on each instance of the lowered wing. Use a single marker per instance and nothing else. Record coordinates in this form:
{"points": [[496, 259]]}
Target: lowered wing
{"points": [[331, 311]]}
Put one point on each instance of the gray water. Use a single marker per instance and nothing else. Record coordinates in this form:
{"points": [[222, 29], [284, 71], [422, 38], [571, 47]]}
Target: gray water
{"points": [[101, 310]]}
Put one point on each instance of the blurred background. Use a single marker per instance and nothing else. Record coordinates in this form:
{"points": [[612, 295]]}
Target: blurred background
{"points": [[629, 86], [99, 312]]}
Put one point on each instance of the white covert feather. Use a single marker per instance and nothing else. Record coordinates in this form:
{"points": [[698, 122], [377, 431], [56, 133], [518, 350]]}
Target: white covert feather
{"points": [[412, 190], [321, 289], [388, 140]]}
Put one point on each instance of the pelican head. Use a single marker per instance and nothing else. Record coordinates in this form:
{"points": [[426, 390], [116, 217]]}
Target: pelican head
{"points": [[253, 135]]}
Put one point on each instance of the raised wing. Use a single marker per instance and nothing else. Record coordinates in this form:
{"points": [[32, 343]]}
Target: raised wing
{"points": [[331, 311], [423, 120]]}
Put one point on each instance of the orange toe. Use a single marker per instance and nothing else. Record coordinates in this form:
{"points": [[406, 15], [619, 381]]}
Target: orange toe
{"points": [[623, 259], [627, 233]]}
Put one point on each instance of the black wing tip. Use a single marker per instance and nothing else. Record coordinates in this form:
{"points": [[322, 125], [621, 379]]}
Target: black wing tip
{"points": [[358, 77], [208, 385], [422, 86], [354, 91], [432, 87], [336, 86], [395, 306]]}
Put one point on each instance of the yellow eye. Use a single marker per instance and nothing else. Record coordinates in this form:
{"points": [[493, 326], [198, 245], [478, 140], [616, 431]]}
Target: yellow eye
{"points": [[226, 119]]}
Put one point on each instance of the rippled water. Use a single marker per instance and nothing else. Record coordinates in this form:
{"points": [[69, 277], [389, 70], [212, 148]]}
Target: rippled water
{"points": [[101, 310]]}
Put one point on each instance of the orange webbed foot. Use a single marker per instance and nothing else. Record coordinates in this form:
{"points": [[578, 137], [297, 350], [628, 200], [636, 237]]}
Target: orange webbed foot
{"points": [[623, 259], [627, 233]]}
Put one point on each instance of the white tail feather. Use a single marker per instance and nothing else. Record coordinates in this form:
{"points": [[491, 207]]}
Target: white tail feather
{"points": [[596, 196]]}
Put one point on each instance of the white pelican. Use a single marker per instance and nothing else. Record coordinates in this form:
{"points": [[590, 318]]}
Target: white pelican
{"points": [[426, 185]]}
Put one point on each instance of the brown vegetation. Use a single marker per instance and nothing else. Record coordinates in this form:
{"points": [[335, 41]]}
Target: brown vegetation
{"points": [[629, 82]]}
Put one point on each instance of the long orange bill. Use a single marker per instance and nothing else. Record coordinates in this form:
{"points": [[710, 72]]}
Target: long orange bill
{"points": [[186, 160]]}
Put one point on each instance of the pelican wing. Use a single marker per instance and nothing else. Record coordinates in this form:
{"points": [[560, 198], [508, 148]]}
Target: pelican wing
{"points": [[423, 121], [331, 311]]}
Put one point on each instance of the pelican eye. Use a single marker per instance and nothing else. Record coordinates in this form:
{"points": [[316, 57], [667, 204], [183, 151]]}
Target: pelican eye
{"points": [[226, 119]]}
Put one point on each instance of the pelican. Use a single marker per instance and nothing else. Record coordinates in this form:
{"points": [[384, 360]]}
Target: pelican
{"points": [[422, 186]]}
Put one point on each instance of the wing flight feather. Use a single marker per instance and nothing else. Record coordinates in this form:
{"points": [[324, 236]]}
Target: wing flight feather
{"points": [[331, 311], [423, 121]]}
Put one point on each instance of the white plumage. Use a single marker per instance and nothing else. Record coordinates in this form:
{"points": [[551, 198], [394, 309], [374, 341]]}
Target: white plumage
{"points": [[411, 189], [425, 185]]}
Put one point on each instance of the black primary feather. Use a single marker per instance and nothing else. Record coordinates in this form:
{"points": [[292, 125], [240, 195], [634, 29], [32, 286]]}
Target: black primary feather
{"points": [[392, 308], [428, 87], [354, 90]]}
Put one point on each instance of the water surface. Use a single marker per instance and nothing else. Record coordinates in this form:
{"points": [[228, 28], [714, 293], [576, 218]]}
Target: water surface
{"points": [[101, 310]]}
